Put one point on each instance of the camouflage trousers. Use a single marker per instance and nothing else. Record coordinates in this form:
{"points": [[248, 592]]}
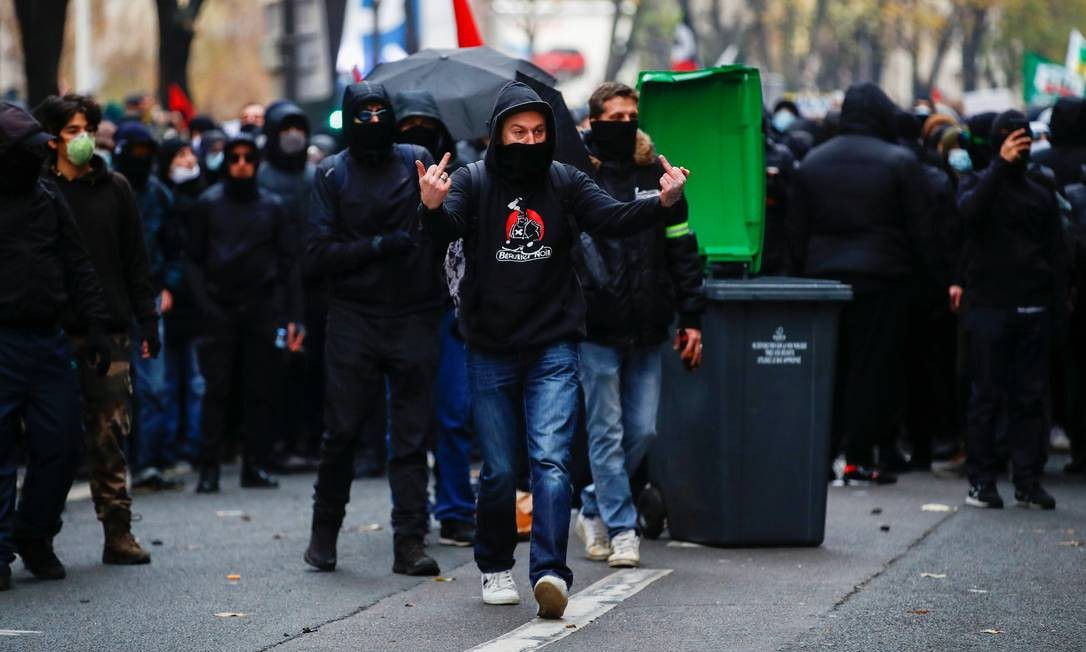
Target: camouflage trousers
{"points": [[107, 421]]}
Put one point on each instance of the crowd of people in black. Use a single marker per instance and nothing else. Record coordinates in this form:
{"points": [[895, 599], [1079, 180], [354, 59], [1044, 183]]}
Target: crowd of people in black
{"points": [[251, 289]]}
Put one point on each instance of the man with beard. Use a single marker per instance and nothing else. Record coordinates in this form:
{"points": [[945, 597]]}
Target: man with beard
{"points": [[250, 284], [1015, 289], [386, 298], [522, 314], [106, 211], [44, 270]]}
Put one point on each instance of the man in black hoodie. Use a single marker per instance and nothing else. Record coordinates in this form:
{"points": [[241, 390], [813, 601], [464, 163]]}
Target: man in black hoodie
{"points": [[859, 214], [634, 286], [105, 209], [286, 172], [386, 300], [250, 285], [522, 312], [1067, 156], [1015, 288], [44, 271]]}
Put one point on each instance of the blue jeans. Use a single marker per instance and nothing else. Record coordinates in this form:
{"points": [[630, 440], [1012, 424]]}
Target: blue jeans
{"points": [[622, 395], [455, 500], [154, 406], [185, 386], [540, 385]]}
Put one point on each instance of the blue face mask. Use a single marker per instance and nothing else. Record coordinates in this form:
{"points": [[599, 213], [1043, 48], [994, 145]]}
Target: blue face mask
{"points": [[959, 160], [213, 161], [782, 120]]}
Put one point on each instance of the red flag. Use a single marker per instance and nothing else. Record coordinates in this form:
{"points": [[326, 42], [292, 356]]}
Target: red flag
{"points": [[467, 34], [177, 100]]}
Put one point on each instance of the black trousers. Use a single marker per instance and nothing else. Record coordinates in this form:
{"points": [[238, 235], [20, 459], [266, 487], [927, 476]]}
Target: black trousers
{"points": [[1008, 360], [240, 347], [930, 370], [868, 371], [360, 353]]}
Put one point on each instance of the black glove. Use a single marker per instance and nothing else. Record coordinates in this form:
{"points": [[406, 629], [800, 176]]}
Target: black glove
{"points": [[393, 244], [149, 333], [96, 350]]}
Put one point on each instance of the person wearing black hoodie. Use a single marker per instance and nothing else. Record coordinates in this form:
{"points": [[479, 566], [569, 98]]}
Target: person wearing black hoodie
{"points": [[1067, 156], [386, 301], [1015, 290], [44, 272], [860, 214], [522, 313], [634, 287], [286, 172], [249, 283], [105, 209]]}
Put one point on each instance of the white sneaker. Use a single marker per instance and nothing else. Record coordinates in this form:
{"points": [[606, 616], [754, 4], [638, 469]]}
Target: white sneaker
{"points": [[552, 596], [593, 533], [499, 588], [626, 550]]}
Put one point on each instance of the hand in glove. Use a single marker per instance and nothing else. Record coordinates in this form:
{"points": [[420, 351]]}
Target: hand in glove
{"points": [[95, 351], [151, 343], [393, 244]]}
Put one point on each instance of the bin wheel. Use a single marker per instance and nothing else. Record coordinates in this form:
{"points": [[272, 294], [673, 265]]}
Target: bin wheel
{"points": [[652, 515]]}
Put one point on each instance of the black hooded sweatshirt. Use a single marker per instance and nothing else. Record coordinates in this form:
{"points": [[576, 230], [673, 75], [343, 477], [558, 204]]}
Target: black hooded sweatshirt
{"points": [[1067, 156], [1015, 251], [421, 104], [357, 198], [520, 290], [105, 209], [859, 211]]}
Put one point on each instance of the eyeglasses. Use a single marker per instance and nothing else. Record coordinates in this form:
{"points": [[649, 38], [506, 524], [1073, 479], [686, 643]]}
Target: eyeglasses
{"points": [[241, 158], [366, 115]]}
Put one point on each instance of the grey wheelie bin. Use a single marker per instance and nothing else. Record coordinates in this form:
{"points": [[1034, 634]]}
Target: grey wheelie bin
{"points": [[743, 452]]}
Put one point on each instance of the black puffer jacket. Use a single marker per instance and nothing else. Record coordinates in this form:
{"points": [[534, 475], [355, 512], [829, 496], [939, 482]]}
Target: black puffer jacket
{"points": [[353, 202], [1067, 156], [859, 212], [780, 170], [633, 285]]}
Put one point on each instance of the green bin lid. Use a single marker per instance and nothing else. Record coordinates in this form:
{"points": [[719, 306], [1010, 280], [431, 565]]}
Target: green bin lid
{"points": [[768, 288], [710, 121]]}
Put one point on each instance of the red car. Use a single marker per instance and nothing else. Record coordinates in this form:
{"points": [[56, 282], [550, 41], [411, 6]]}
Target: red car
{"points": [[562, 63]]}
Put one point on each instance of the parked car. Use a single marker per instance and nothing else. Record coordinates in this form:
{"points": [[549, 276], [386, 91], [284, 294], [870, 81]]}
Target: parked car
{"points": [[563, 63]]}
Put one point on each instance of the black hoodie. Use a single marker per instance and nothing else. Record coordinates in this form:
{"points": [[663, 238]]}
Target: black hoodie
{"points": [[859, 211], [421, 104], [1067, 156], [1015, 252], [354, 200], [519, 289]]}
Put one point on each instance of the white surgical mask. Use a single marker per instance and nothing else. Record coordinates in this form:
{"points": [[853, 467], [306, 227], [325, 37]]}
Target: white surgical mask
{"points": [[960, 160], [782, 120], [181, 175], [214, 160]]}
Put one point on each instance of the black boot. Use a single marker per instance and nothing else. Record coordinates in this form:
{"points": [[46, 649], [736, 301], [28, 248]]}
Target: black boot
{"points": [[5, 577], [209, 480], [254, 477], [39, 558], [411, 559], [321, 553]]}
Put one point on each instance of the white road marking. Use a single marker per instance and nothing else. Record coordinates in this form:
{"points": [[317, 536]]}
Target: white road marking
{"points": [[583, 608], [17, 632]]}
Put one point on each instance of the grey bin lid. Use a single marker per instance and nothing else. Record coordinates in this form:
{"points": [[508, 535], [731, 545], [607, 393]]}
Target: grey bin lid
{"points": [[769, 288]]}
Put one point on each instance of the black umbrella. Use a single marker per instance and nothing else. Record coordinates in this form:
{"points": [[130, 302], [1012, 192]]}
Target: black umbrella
{"points": [[465, 82]]}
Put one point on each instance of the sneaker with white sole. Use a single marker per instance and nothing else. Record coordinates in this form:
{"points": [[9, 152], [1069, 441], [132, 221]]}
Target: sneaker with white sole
{"points": [[499, 588], [593, 533], [625, 550], [552, 595]]}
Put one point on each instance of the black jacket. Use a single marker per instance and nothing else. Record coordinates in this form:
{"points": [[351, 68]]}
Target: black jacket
{"points": [[1015, 252], [780, 170], [106, 212], [246, 252], [520, 290], [353, 202], [1067, 156], [289, 177], [633, 285], [859, 212], [180, 276]]}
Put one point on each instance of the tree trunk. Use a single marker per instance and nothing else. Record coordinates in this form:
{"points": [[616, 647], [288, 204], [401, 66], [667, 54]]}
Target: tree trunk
{"points": [[975, 27], [41, 23], [619, 52], [941, 49], [176, 29]]}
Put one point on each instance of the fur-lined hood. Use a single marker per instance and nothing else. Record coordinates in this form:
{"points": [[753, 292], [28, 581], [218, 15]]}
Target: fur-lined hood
{"points": [[644, 151]]}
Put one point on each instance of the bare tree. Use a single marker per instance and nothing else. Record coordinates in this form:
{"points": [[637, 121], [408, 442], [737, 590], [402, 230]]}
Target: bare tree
{"points": [[974, 27], [620, 50], [41, 23], [176, 29]]}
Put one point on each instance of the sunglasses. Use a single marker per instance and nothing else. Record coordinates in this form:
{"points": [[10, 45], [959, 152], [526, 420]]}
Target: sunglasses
{"points": [[366, 116], [243, 157]]}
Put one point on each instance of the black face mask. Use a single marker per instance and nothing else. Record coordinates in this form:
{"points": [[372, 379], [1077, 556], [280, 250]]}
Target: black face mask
{"points": [[425, 137], [136, 170], [518, 162], [19, 171], [614, 140], [371, 142]]}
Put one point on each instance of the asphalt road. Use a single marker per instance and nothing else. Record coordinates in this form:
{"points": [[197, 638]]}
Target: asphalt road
{"points": [[1016, 572]]}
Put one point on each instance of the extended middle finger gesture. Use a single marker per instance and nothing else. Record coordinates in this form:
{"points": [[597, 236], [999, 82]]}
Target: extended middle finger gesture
{"points": [[434, 183], [672, 183]]}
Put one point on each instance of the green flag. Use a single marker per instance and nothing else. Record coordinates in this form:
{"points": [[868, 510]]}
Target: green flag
{"points": [[1044, 81]]}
